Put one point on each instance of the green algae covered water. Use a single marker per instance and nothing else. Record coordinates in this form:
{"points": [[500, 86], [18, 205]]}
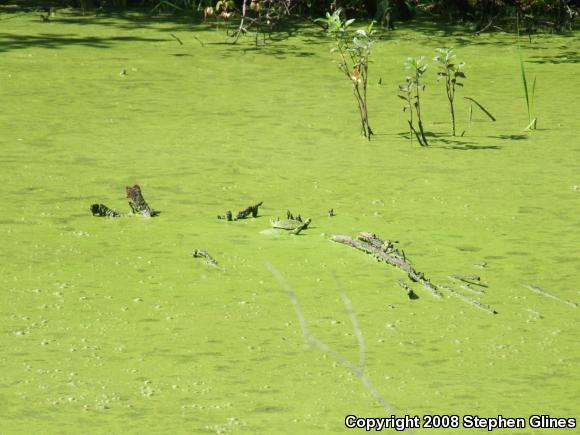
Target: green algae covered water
{"points": [[111, 326]]}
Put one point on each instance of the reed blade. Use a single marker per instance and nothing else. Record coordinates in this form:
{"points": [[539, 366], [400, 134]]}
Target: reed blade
{"points": [[483, 109]]}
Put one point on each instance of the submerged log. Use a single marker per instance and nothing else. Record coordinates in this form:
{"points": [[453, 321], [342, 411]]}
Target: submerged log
{"points": [[103, 210], [197, 253], [378, 249], [137, 202], [386, 251], [386, 246]]}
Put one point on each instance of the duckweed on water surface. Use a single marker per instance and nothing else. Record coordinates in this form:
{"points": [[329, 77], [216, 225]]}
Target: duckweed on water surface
{"points": [[110, 325]]}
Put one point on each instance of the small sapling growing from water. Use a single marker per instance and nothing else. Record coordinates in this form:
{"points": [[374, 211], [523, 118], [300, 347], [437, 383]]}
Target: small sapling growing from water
{"points": [[450, 71], [529, 94], [353, 60], [411, 93], [406, 94]]}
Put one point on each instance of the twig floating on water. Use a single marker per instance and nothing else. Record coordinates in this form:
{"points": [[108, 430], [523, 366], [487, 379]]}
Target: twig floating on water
{"points": [[466, 286], [469, 279], [544, 293], [466, 277], [469, 300], [209, 259]]}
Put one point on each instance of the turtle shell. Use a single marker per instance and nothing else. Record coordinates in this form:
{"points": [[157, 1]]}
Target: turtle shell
{"points": [[286, 224]]}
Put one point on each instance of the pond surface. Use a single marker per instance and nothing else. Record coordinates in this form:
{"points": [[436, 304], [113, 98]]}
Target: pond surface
{"points": [[109, 325]]}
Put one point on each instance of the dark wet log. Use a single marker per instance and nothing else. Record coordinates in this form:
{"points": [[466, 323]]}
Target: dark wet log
{"points": [[103, 210], [137, 202], [251, 210], [197, 253], [398, 259], [544, 293], [409, 290]]}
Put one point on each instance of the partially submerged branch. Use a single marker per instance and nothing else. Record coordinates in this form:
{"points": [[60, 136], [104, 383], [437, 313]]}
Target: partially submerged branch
{"points": [[251, 210], [544, 293], [197, 253], [372, 245], [386, 251], [469, 300], [137, 202]]}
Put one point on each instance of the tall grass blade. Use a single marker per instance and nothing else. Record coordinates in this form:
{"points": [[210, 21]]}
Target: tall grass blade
{"points": [[529, 99], [483, 109], [525, 82], [533, 96]]}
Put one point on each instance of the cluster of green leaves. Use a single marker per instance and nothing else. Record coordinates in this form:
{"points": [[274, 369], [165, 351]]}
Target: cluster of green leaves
{"points": [[450, 72], [353, 51], [410, 92]]}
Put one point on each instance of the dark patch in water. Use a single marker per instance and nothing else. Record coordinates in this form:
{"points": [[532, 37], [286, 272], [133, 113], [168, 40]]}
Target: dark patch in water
{"points": [[466, 248], [270, 409]]}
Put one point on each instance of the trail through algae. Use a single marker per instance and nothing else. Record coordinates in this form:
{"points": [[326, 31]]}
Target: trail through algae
{"points": [[109, 325]]}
